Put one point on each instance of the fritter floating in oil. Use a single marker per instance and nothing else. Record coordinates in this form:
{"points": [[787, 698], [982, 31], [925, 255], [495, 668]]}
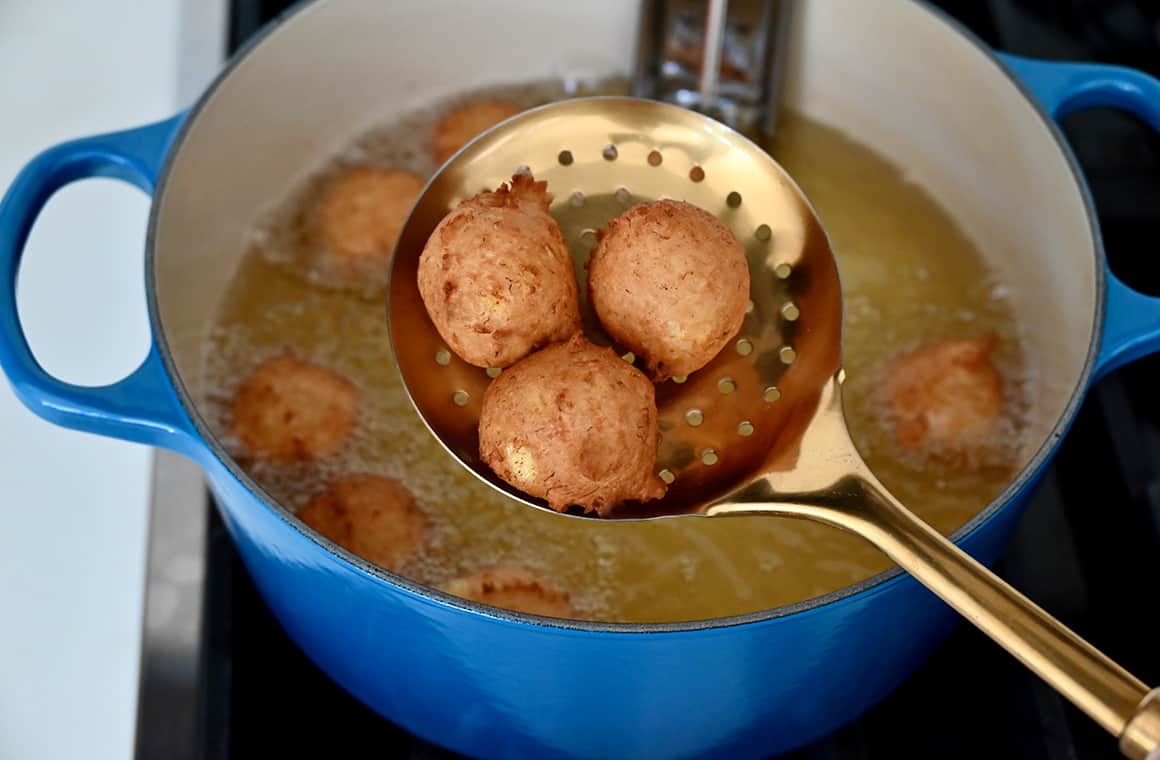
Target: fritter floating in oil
{"points": [[289, 409]]}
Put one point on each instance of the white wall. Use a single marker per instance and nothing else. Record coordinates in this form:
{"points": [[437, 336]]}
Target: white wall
{"points": [[72, 506]]}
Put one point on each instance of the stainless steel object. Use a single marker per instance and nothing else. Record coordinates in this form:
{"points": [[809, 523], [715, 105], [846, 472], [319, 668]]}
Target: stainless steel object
{"points": [[171, 636], [725, 58], [763, 422]]}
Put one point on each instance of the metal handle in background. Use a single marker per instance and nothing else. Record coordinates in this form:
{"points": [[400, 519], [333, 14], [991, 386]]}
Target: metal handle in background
{"points": [[681, 55], [1131, 319], [142, 407]]}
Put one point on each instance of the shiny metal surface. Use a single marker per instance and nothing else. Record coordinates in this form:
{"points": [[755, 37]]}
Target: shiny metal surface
{"points": [[704, 163], [797, 458], [710, 75], [1139, 740], [725, 58], [827, 482]]}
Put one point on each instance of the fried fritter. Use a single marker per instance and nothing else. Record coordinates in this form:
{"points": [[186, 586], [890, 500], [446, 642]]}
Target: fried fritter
{"points": [[574, 425], [945, 397], [497, 278], [512, 588], [371, 516], [461, 125], [669, 282], [362, 212], [289, 409]]}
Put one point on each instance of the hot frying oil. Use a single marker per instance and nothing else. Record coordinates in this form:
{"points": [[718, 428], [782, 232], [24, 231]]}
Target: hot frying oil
{"points": [[909, 276]]}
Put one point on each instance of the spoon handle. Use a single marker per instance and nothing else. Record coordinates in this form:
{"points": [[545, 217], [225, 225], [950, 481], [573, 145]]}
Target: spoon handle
{"points": [[824, 479], [1105, 691]]}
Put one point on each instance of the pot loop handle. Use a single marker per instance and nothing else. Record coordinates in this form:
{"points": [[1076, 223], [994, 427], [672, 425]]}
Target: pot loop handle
{"points": [[143, 407], [1131, 319]]}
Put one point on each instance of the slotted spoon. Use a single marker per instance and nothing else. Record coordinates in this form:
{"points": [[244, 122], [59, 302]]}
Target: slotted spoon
{"points": [[760, 430]]}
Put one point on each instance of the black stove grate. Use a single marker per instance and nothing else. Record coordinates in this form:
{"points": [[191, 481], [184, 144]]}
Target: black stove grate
{"points": [[1090, 539]]}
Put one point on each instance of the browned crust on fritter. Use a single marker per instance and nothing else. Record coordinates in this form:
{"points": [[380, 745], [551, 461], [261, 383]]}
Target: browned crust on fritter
{"points": [[370, 515], [289, 409], [363, 211], [574, 425], [670, 283], [512, 588], [945, 396], [459, 127], [496, 276]]}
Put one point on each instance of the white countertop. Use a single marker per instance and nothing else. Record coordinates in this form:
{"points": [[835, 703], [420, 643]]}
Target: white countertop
{"points": [[73, 506]]}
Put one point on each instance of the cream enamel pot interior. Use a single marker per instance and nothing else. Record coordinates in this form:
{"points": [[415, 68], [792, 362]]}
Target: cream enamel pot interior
{"points": [[487, 682]]}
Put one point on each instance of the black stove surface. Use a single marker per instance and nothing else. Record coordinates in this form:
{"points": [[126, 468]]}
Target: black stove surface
{"points": [[1089, 543]]}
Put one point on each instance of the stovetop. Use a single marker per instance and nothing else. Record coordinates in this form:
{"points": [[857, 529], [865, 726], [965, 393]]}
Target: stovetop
{"points": [[1089, 541]]}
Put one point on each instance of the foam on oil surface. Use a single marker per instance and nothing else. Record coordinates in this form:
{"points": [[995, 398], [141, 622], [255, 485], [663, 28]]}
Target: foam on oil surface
{"points": [[286, 235], [891, 239]]}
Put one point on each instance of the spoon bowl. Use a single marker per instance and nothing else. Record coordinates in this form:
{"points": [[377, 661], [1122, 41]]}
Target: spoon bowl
{"points": [[600, 156]]}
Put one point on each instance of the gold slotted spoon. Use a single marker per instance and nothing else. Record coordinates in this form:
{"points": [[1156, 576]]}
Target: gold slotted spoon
{"points": [[760, 430]]}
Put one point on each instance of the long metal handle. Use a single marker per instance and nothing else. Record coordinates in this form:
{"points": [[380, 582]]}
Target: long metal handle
{"points": [[1114, 698], [710, 77], [1105, 691]]}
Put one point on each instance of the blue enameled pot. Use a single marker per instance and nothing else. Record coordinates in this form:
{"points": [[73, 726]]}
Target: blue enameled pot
{"points": [[974, 127]]}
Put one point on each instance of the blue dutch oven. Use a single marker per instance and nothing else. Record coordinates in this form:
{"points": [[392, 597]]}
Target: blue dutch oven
{"points": [[974, 127]]}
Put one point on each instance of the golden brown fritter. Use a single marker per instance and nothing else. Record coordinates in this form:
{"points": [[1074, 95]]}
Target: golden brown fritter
{"points": [[362, 212], [290, 409], [464, 123], [574, 425], [371, 516], [945, 397], [512, 588], [496, 276], [669, 282]]}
